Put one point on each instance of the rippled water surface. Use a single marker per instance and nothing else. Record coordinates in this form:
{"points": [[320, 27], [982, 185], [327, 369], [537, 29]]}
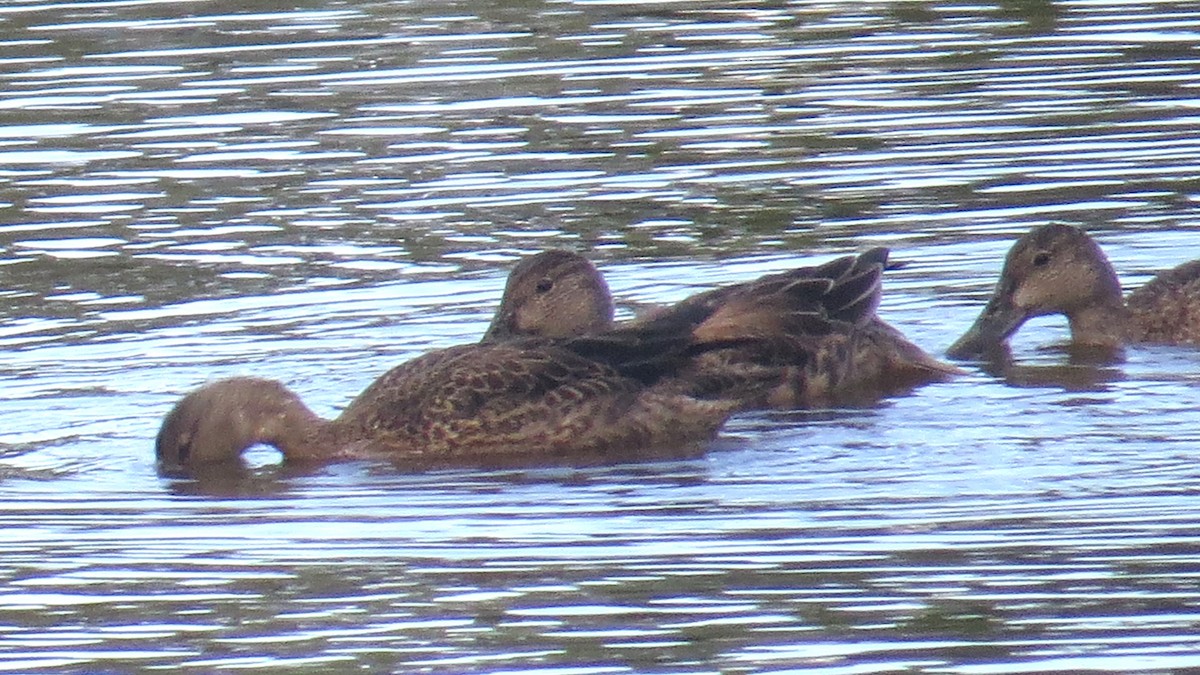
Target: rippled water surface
{"points": [[317, 192]]}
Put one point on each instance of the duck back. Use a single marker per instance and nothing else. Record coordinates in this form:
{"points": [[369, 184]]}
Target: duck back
{"points": [[1166, 310], [524, 397]]}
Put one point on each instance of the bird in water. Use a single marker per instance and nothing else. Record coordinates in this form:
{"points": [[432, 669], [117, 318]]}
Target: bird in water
{"points": [[1059, 269], [600, 395], [819, 340]]}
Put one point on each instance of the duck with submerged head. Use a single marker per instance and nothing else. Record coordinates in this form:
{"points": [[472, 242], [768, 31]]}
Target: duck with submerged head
{"points": [[817, 339], [1059, 269], [523, 398]]}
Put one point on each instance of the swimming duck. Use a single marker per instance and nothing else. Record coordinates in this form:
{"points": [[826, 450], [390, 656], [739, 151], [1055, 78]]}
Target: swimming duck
{"points": [[1059, 269], [818, 339], [532, 397]]}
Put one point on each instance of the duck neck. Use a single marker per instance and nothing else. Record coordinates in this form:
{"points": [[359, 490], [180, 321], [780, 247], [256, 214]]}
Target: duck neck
{"points": [[300, 434], [1104, 324]]}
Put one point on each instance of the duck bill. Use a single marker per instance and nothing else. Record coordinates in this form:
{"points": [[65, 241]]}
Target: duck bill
{"points": [[995, 324]]}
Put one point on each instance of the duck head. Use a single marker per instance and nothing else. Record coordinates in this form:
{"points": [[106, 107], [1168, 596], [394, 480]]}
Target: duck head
{"points": [[553, 294], [1053, 269], [218, 421]]}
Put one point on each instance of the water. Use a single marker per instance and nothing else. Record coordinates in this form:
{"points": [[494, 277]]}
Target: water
{"points": [[315, 193]]}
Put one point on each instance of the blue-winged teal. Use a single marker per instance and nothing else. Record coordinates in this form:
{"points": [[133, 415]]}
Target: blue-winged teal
{"points": [[817, 338], [1059, 269], [535, 398]]}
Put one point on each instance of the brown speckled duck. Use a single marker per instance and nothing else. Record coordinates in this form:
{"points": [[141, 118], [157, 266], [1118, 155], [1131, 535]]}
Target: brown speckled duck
{"points": [[536, 398], [819, 340], [1059, 269]]}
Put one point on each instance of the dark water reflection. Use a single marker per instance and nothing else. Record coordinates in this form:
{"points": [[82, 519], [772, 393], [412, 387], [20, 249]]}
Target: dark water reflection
{"points": [[317, 192]]}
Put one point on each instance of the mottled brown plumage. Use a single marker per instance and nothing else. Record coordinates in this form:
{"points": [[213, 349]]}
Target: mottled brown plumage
{"points": [[804, 337], [1059, 269], [533, 398]]}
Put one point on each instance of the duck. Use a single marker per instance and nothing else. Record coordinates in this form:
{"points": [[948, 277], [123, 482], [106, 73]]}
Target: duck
{"points": [[1059, 269], [531, 398], [818, 339]]}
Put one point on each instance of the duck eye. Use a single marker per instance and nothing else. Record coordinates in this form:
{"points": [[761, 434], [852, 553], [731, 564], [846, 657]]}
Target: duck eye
{"points": [[544, 285], [1041, 259]]}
